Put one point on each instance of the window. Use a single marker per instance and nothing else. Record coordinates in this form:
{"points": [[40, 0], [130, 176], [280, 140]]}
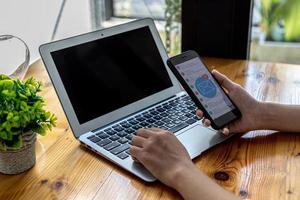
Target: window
{"points": [[121, 11], [276, 31], [139, 8]]}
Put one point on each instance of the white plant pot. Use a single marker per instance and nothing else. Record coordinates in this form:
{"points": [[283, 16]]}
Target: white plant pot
{"points": [[18, 161]]}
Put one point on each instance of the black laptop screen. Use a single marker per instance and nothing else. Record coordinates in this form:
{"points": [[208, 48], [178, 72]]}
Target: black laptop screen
{"points": [[106, 74]]}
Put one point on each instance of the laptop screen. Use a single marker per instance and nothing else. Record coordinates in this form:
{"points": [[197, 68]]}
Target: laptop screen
{"points": [[106, 74]]}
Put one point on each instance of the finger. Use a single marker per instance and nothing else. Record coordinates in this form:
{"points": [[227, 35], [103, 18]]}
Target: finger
{"points": [[234, 127], [199, 113], [225, 131], [137, 141], [134, 152], [154, 130], [143, 132], [206, 122], [223, 80], [134, 159]]}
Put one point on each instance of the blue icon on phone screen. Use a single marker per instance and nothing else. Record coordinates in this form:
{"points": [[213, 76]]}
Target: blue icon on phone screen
{"points": [[205, 86]]}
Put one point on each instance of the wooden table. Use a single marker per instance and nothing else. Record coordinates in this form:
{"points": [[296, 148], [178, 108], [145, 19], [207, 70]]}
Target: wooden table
{"points": [[257, 165]]}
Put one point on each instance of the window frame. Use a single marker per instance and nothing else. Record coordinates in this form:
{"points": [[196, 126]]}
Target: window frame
{"points": [[108, 12]]}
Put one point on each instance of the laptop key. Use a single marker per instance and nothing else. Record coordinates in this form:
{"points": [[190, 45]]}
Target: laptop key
{"points": [[129, 137], [104, 142], [102, 135], [127, 125], [136, 127], [176, 121], [119, 129], [130, 130], [120, 149], [163, 114], [111, 146], [160, 110], [151, 120], [110, 132], [133, 122], [170, 125], [108, 129], [189, 103], [147, 116], [178, 127], [154, 113], [171, 111], [167, 107], [157, 117], [193, 112], [189, 115], [164, 127], [184, 97], [123, 155], [94, 139], [128, 151], [191, 121], [124, 122], [166, 120], [159, 123], [123, 140], [116, 126], [122, 134], [179, 113], [143, 124], [114, 138], [183, 118], [140, 119], [178, 109], [173, 117], [191, 108]]}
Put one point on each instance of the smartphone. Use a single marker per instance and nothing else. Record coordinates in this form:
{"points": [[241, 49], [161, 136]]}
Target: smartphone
{"points": [[204, 89]]}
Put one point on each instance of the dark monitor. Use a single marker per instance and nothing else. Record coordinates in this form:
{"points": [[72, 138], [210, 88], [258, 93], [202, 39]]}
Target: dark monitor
{"points": [[106, 74]]}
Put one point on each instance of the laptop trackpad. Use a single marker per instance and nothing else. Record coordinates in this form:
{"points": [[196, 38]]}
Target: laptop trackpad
{"points": [[199, 139]]}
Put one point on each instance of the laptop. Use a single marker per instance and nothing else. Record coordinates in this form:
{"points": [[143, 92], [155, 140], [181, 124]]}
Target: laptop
{"points": [[112, 82]]}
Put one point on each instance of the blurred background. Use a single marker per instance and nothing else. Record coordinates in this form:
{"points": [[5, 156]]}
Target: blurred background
{"points": [[275, 23]]}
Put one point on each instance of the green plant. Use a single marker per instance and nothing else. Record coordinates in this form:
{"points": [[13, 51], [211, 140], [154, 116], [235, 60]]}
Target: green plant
{"points": [[285, 11], [21, 110], [173, 17]]}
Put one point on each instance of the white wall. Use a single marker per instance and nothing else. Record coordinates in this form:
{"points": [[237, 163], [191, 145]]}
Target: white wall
{"points": [[34, 20]]}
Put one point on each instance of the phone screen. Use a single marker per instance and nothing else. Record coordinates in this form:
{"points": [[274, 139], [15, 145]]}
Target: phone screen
{"points": [[204, 86]]}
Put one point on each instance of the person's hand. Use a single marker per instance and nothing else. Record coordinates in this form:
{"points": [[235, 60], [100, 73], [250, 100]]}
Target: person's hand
{"points": [[161, 153], [248, 106]]}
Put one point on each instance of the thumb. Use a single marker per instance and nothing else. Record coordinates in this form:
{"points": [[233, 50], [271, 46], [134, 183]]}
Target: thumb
{"points": [[223, 80]]}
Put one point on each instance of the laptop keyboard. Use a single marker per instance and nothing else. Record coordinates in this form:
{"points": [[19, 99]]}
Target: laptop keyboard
{"points": [[172, 115]]}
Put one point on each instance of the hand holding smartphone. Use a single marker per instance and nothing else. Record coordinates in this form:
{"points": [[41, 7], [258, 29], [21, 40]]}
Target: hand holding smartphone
{"points": [[204, 90]]}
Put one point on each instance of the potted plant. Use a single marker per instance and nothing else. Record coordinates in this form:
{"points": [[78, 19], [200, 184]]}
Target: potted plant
{"points": [[282, 14], [21, 116]]}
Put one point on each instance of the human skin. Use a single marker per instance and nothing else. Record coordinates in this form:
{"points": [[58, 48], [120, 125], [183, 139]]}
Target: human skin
{"points": [[256, 115], [167, 159]]}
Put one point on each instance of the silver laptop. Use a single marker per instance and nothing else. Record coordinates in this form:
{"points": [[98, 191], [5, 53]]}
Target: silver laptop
{"points": [[114, 81]]}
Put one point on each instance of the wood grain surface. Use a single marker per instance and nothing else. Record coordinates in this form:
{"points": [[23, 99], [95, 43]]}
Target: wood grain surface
{"points": [[256, 165]]}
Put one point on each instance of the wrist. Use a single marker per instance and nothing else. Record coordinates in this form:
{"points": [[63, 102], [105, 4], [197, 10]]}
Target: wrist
{"points": [[265, 115], [182, 172]]}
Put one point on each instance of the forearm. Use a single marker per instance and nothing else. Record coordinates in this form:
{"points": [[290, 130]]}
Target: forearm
{"points": [[193, 184], [280, 117]]}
